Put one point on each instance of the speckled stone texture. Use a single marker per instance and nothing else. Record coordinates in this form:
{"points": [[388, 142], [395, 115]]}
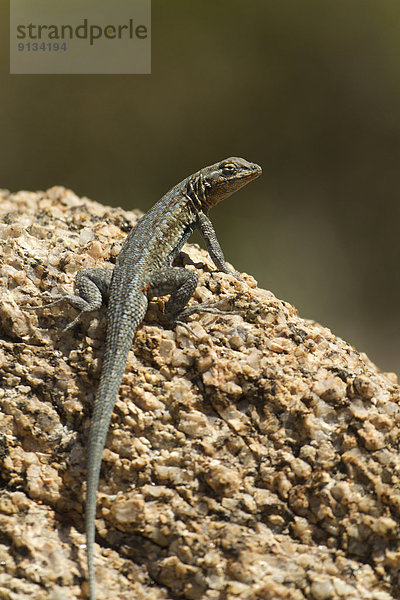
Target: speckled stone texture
{"points": [[250, 456]]}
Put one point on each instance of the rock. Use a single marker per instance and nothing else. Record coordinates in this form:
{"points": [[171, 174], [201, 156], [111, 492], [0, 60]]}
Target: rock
{"points": [[253, 455]]}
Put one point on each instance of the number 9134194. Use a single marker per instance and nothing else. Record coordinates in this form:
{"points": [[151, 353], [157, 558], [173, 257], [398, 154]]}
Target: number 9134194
{"points": [[42, 47]]}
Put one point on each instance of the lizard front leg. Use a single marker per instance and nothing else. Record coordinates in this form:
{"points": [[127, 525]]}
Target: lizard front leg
{"points": [[206, 229]]}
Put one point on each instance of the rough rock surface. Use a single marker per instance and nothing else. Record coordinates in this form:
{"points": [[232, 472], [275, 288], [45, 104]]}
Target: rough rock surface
{"points": [[250, 456]]}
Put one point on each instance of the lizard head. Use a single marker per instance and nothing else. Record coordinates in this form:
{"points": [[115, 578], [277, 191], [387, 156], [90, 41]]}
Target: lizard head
{"points": [[226, 177]]}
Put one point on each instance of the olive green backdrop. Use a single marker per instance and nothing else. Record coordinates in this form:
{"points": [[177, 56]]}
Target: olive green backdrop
{"points": [[308, 89]]}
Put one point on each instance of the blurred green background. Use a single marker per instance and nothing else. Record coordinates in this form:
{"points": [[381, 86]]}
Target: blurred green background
{"points": [[310, 90]]}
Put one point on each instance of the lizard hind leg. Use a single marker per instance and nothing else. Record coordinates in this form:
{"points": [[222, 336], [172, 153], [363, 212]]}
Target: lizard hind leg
{"points": [[92, 287], [181, 284]]}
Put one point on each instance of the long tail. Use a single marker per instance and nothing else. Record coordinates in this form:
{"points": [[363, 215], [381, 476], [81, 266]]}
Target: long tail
{"points": [[119, 340]]}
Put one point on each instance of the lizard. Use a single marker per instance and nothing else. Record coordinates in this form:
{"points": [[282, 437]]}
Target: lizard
{"points": [[144, 269]]}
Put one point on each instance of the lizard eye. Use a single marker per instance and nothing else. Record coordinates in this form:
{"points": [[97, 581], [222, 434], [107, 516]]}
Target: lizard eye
{"points": [[228, 168]]}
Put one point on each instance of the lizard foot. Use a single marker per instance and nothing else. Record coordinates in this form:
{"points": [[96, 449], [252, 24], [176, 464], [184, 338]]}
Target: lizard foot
{"points": [[56, 301], [213, 308]]}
